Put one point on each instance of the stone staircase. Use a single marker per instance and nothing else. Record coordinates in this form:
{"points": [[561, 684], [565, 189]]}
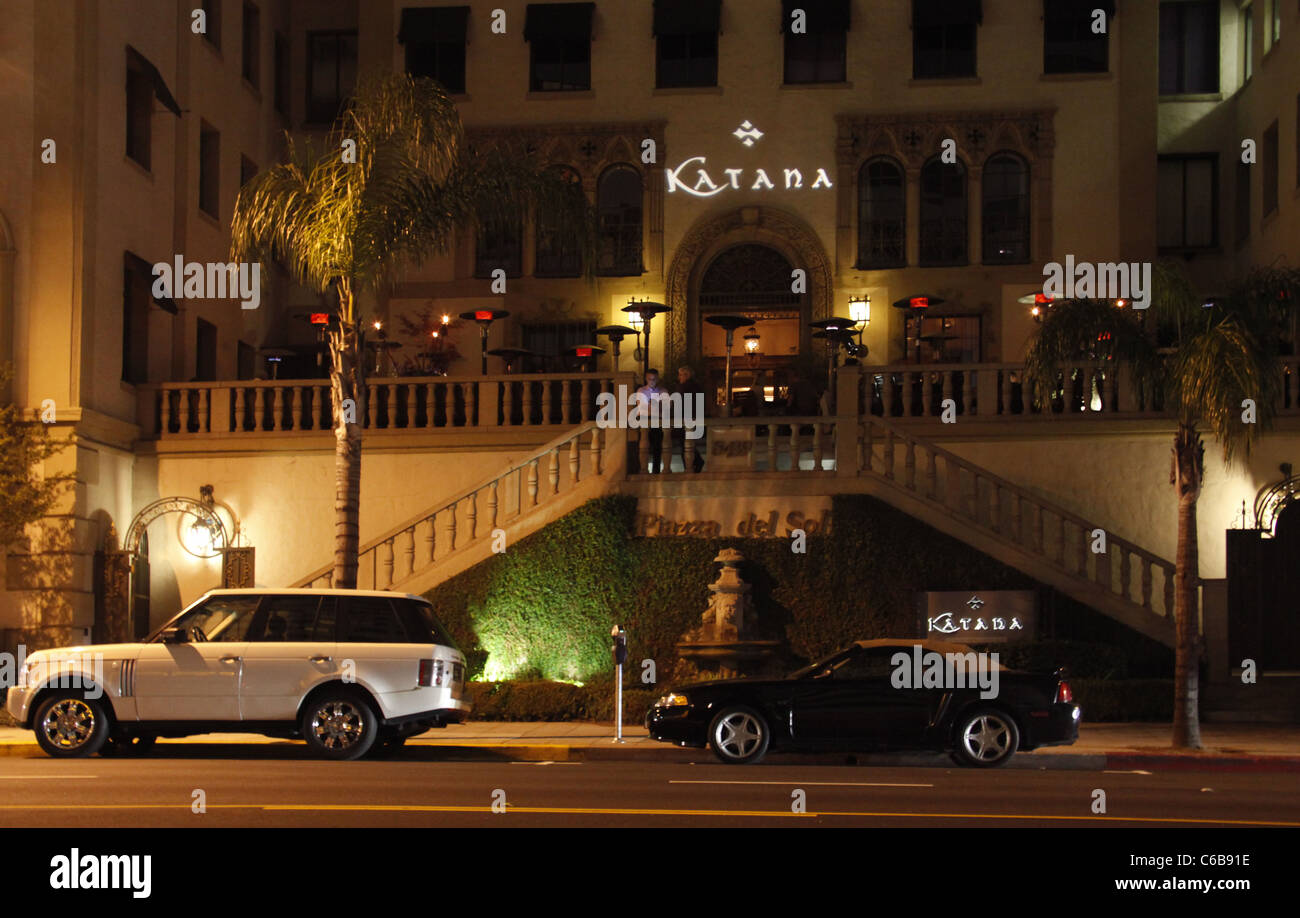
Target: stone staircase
{"points": [[452, 536], [1019, 528]]}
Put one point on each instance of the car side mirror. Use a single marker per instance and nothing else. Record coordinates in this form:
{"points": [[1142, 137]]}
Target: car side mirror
{"points": [[175, 636]]}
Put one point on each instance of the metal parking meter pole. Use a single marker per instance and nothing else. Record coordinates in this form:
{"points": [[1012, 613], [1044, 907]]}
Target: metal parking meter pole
{"points": [[620, 657]]}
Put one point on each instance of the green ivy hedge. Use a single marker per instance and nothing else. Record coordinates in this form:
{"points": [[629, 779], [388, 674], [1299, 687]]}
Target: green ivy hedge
{"points": [[542, 610]]}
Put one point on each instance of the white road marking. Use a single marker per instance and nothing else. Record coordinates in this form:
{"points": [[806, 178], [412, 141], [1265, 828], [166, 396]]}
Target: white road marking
{"points": [[809, 783]]}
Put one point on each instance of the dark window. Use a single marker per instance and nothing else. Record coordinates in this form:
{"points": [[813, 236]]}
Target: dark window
{"points": [[331, 73], [422, 626], [139, 110], [301, 619], [689, 59], [559, 41], [434, 38], [371, 620], [137, 281], [552, 340], [1189, 47], [1005, 210], [1069, 43], [1243, 202], [500, 244], [247, 170], [252, 51], [558, 253], [1270, 155], [1248, 42], [618, 203], [943, 214], [212, 14], [872, 665], [944, 36], [817, 54], [882, 215], [246, 360], [209, 169], [205, 352], [942, 339], [282, 74], [1187, 202]]}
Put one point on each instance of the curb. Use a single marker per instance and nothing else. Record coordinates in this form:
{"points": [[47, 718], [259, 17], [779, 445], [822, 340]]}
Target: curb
{"points": [[561, 752]]}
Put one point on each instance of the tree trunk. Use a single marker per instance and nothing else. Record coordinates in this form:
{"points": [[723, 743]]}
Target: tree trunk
{"points": [[347, 385], [1188, 468]]}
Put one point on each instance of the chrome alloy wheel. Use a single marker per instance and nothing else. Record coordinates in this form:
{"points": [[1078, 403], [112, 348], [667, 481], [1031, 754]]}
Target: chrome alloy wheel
{"points": [[338, 724], [738, 734], [69, 724], [987, 738]]}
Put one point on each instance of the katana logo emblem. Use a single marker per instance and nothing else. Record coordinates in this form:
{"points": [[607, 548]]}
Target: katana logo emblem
{"points": [[747, 133], [975, 602]]}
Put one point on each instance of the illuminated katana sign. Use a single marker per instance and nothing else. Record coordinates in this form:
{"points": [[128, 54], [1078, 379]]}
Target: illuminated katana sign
{"points": [[994, 615], [693, 177]]}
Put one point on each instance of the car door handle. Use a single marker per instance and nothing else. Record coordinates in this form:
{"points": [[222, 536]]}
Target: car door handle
{"points": [[231, 659], [320, 658]]}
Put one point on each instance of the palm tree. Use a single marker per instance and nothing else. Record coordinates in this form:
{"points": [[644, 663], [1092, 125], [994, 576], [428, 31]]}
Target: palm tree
{"points": [[1199, 359], [393, 182]]}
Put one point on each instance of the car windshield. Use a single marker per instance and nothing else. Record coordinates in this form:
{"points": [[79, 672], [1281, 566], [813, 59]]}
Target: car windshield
{"points": [[824, 663]]}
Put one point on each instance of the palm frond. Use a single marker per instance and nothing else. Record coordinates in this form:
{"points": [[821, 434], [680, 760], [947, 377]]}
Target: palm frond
{"points": [[1092, 331]]}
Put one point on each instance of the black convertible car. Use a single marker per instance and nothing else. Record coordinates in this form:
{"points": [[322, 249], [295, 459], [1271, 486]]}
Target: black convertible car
{"points": [[874, 696]]}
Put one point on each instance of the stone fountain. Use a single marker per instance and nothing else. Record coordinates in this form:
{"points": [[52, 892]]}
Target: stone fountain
{"points": [[725, 642]]}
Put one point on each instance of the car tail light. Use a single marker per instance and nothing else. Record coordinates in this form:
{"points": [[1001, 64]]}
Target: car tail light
{"points": [[1063, 693], [431, 672]]}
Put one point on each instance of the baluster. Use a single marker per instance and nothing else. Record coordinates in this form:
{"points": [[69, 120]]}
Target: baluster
{"points": [[492, 504], [277, 409], [817, 447], [947, 384], [295, 407], [471, 516], [1126, 573], [909, 464], [887, 393], [595, 451], [532, 483], [410, 550], [932, 473], [688, 454], [586, 401], [432, 537], [372, 401], [391, 420], [205, 403], [1101, 569], [771, 447], [259, 408], [388, 566], [239, 411], [1146, 583], [508, 403], [566, 401], [553, 471], [889, 454], [430, 406], [794, 447], [927, 394], [1170, 604], [1006, 392], [471, 400], [573, 460], [451, 528], [528, 402], [995, 506], [643, 450]]}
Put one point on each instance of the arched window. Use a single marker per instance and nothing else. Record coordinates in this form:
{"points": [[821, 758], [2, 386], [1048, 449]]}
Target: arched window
{"points": [[1006, 210], [943, 213], [882, 215], [558, 253], [500, 244], [618, 203]]}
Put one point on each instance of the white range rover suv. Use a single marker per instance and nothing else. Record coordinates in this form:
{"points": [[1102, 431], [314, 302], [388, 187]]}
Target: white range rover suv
{"points": [[343, 669]]}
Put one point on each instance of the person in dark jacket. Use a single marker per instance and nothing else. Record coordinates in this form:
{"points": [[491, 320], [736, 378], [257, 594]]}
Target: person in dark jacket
{"points": [[689, 386]]}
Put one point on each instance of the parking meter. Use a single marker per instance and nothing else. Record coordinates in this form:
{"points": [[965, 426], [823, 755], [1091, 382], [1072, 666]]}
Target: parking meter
{"points": [[619, 649]]}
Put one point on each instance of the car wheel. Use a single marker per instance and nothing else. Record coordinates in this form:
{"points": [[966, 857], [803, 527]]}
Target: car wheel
{"points": [[68, 725], [985, 738], [339, 724], [739, 736]]}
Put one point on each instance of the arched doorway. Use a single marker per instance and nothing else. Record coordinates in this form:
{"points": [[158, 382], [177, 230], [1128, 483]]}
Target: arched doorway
{"points": [[759, 236]]}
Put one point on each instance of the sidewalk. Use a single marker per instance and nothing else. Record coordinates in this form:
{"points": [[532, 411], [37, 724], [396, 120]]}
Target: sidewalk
{"points": [[1228, 747]]}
